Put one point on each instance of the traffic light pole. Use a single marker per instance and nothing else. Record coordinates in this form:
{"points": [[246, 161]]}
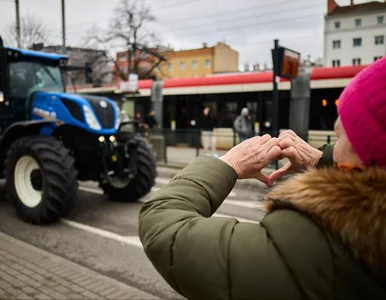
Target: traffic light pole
{"points": [[275, 123], [275, 95]]}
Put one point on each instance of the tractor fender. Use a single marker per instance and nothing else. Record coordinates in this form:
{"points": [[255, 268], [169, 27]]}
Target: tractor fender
{"points": [[18, 130]]}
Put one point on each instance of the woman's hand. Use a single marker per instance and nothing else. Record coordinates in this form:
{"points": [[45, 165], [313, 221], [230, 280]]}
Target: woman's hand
{"points": [[301, 155], [251, 156]]}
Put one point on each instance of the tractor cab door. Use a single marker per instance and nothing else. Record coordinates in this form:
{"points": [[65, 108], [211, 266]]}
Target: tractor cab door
{"points": [[22, 80], [26, 78], [5, 112]]}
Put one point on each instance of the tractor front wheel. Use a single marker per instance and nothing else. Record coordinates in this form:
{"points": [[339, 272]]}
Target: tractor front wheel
{"points": [[130, 190], [41, 180]]}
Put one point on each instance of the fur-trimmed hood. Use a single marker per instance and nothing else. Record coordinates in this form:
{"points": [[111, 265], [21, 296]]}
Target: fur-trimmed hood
{"points": [[350, 205]]}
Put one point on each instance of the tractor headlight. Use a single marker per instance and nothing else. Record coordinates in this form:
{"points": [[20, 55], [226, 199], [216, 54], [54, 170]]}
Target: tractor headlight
{"points": [[91, 119]]}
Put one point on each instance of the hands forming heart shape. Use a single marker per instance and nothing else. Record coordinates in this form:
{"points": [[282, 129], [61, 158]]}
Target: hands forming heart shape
{"points": [[250, 157]]}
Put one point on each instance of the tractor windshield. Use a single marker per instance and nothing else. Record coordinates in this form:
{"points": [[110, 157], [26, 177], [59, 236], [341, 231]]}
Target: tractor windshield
{"points": [[30, 76]]}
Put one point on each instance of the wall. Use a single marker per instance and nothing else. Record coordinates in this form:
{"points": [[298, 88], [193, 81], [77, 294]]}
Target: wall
{"points": [[368, 30], [225, 59], [187, 57]]}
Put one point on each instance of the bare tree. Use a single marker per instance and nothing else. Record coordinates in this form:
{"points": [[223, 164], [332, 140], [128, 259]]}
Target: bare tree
{"points": [[32, 31], [131, 29]]}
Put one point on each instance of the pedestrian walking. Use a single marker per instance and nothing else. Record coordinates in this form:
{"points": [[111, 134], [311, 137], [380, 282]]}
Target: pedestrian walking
{"points": [[149, 123], [207, 124], [243, 125], [324, 235]]}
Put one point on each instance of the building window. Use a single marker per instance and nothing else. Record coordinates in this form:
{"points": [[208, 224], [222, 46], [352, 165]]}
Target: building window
{"points": [[377, 57], [358, 22], [336, 63], [357, 42], [122, 58], [380, 19], [182, 66], [336, 44], [337, 25], [194, 64], [356, 62], [379, 39], [207, 63], [170, 67]]}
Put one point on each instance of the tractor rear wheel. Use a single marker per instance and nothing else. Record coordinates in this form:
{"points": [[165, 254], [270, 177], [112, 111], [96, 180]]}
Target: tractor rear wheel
{"points": [[41, 180], [130, 190]]}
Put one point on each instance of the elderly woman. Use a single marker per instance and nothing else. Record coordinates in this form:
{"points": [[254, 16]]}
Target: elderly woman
{"points": [[324, 236]]}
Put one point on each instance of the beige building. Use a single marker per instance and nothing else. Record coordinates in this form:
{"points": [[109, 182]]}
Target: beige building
{"points": [[220, 58]]}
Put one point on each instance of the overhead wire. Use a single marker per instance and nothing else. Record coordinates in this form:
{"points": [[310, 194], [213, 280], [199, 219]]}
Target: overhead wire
{"points": [[248, 18]]}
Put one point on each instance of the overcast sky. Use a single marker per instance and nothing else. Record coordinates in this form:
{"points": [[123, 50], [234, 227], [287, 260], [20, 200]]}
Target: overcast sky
{"points": [[248, 26]]}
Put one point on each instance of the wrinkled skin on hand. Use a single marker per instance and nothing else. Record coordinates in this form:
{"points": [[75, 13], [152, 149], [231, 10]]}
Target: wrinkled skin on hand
{"points": [[301, 155], [251, 156]]}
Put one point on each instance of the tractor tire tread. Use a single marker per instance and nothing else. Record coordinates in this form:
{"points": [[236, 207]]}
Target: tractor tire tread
{"points": [[57, 164], [142, 183]]}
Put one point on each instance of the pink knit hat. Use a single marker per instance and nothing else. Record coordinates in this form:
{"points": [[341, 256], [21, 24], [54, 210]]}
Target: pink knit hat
{"points": [[362, 110]]}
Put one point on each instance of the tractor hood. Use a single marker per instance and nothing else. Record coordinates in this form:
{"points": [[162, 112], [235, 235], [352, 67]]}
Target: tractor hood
{"points": [[96, 114], [104, 109]]}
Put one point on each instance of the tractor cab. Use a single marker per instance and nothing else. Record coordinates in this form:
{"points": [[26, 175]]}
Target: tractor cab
{"points": [[22, 73]]}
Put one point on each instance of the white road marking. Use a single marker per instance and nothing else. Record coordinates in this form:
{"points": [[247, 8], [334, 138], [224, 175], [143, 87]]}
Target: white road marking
{"points": [[91, 190], [128, 240]]}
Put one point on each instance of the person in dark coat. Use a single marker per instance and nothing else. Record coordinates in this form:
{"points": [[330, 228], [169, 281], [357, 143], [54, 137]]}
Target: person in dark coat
{"points": [[149, 123], [207, 124], [324, 235]]}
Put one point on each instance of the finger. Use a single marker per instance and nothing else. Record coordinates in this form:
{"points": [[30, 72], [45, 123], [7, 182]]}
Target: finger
{"points": [[273, 153], [289, 152], [286, 136], [288, 132], [284, 144], [270, 144], [265, 138], [281, 172], [264, 179]]}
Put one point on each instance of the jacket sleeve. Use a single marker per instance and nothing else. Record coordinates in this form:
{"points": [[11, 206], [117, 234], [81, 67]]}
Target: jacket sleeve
{"points": [[237, 125], [204, 257], [327, 158]]}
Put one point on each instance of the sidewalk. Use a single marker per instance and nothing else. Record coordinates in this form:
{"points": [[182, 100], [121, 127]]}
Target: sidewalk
{"points": [[27, 272]]}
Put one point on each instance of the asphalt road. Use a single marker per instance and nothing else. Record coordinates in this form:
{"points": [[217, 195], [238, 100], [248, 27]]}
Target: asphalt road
{"points": [[103, 235]]}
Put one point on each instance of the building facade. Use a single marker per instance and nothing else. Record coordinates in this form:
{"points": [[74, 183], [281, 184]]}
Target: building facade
{"points": [[354, 34], [220, 58], [144, 61], [96, 59]]}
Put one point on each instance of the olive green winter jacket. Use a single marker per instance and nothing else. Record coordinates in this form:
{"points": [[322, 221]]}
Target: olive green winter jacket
{"points": [[322, 238]]}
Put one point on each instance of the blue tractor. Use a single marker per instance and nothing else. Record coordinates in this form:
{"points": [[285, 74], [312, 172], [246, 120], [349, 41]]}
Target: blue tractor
{"points": [[50, 140]]}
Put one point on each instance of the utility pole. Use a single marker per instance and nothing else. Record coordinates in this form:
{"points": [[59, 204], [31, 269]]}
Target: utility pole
{"points": [[275, 123], [18, 23], [63, 28], [275, 94]]}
